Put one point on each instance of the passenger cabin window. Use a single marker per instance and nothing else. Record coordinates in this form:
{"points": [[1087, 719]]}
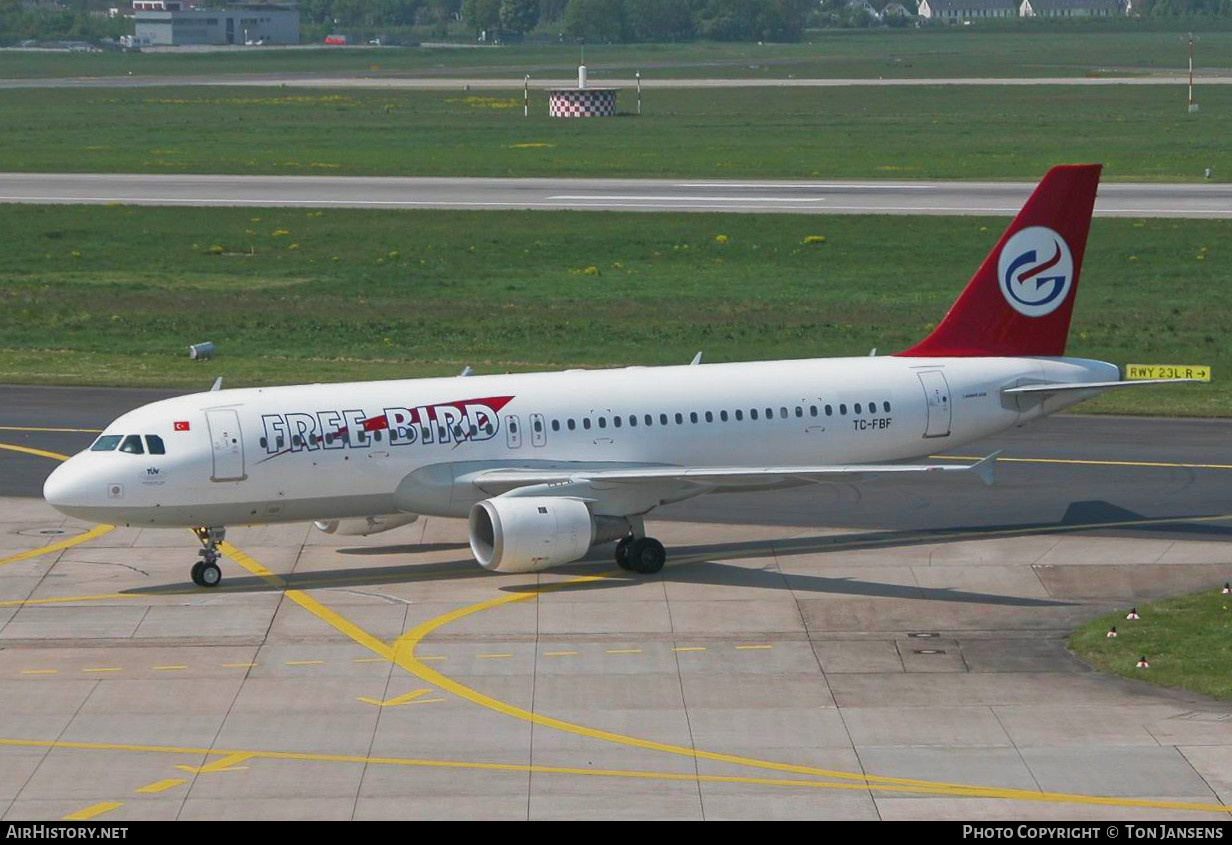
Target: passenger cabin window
{"points": [[586, 423], [842, 408], [679, 418], [693, 416], [662, 419], [555, 425], [723, 416], [155, 444], [857, 407], [886, 405], [739, 415], [602, 422], [132, 445], [648, 419], [107, 443], [812, 410], [617, 421], [829, 410], [753, 414], [571, 424]]}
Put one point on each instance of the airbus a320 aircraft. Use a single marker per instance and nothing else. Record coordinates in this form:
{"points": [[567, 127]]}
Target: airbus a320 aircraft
{"points": [[547, 465]]}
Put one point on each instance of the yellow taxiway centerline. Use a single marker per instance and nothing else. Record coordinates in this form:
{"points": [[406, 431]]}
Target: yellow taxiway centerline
{"points": [[93, 534], [403, 653], [63, 430], [231, 756]]}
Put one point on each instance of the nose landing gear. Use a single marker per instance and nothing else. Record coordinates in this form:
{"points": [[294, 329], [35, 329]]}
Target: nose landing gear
{"points": [[205, 572]]}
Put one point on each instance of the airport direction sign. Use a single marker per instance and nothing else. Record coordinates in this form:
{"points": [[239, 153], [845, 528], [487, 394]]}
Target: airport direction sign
{"points": [[1135, 372]]}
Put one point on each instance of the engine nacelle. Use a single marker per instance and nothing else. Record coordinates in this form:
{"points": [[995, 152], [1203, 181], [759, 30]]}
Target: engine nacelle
{"points": [[528, 534], [363, 526]]}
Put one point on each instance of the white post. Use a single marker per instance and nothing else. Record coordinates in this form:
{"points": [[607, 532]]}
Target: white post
{"points": [[1192, 105], [639, 92], [581, 76], [526, 96]]}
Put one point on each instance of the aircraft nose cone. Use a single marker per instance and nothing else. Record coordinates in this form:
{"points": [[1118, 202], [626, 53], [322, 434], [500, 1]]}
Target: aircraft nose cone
{"points": [[62, 488]]}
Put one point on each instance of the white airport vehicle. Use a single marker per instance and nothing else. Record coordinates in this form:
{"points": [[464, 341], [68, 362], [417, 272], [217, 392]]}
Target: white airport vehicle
{"points": [[547, 465]]}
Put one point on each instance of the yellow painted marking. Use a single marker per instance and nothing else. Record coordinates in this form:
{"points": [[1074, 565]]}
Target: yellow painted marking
{"points": [[624, 651], [403, 653], [401, 699], [610, 773], [41, 453], [493, 656], [746, 647], [33, 428], [690, 648], [369, 660], [556, 654], [238, 665], [161, 786], [69, 599], [305, 662], [1137, 372], [40, 671], [1084, 462], [434, 657], [105, 669], [92, 811], [170, 668], [93, 534], [226, 764]]}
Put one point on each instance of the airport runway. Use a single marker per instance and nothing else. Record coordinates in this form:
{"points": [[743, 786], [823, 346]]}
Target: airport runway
{"points": [[893, 651], [514, 81], [1204, 201]]}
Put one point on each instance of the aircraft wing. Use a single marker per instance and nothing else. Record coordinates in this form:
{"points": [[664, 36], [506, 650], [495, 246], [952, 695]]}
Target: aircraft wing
{"points": [[722, 476]]}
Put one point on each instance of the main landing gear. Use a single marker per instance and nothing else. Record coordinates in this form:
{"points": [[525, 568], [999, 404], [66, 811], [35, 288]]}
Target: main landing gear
{"points": [[644, 555], [205, 572]]}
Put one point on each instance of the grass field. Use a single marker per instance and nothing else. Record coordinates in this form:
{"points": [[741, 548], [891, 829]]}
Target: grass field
{"points": [[1142, 134], [1024, 50], [1187, 642], [114, 294]]}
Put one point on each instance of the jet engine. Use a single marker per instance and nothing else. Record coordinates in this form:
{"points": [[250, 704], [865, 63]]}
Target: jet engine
{"points": [[528, 534], [363, 526]]}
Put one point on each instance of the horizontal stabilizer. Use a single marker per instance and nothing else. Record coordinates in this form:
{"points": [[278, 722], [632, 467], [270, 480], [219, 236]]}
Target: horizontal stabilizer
{"points": [[1037, 389]]}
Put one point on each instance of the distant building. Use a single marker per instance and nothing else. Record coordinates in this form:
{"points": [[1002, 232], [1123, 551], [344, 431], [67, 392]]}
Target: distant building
{"points": [[946, 11], [896, 9], [167, 22], [1070, 8]]}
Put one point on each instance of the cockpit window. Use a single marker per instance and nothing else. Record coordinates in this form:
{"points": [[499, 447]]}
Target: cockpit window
{"points": [[132, 445], [106, 443], [155, 444]]}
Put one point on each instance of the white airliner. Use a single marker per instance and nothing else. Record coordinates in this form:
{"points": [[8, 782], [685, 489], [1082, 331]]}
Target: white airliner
{"points": [[547, 465]]}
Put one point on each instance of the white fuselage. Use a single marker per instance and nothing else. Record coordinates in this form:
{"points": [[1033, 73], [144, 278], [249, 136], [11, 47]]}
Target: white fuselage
{"points": [[261, 455]]}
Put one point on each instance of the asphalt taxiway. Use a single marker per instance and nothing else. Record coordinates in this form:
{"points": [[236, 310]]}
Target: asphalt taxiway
{"points": [[888, 651], [1202, 201]]}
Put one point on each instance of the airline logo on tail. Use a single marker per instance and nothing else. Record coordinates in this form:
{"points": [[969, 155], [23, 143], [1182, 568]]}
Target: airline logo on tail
{"points": [[1036, 271]]}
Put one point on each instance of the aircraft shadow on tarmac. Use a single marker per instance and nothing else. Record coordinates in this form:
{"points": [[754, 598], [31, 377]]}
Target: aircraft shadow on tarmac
{"points": [[703, 564]]}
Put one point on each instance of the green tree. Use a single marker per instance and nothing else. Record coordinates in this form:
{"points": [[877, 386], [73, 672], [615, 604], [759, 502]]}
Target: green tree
{"points": [[519, 15], [599, 20], [481, 14], [659, 20]]}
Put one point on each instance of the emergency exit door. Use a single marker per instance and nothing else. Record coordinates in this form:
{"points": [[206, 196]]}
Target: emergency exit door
{"points": [[227, 444], [937, 394]]}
